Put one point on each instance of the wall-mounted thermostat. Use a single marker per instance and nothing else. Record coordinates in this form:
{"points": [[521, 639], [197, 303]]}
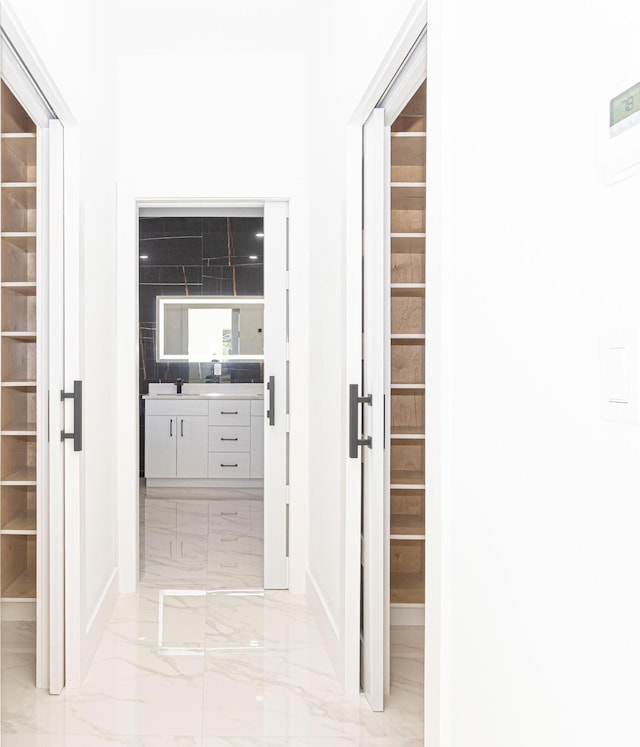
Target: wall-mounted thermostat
{"points": [[619, 130]]}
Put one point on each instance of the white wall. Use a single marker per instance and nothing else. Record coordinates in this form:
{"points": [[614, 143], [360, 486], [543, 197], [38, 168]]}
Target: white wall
{"points": [[539, 257], [82, 69]]}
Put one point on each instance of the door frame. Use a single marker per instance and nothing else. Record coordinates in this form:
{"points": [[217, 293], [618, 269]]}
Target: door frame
{"points": [[130, 198], [438, 636]]}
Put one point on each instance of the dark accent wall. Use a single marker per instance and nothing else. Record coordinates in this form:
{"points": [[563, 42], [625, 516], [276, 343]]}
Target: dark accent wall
{"points": [[194, 257]]}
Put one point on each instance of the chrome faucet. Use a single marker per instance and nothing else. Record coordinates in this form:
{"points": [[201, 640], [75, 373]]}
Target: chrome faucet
{"points": [[178, 386]]}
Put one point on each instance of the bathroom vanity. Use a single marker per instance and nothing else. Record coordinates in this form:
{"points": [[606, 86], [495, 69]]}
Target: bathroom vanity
{"points": [[208, 436]]}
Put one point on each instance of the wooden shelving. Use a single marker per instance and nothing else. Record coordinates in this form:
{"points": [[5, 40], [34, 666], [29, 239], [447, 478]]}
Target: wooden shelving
{"points": [[407, 343], [18, 351]]}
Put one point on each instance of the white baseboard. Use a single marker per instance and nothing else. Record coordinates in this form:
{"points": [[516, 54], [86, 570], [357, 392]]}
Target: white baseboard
{"points": [[327, 625], [19, 610], [407, 614], [98, 621]]}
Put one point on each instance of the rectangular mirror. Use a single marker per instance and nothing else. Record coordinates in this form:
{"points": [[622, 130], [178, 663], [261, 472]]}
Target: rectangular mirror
{"points": [[203, 329]]}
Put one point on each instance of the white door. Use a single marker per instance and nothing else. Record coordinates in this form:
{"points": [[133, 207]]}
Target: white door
{"points": [[374, 510], [276, 566]]}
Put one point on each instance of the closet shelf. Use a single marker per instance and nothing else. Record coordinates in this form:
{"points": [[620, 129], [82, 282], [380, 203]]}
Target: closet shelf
{"points": [[18, 185], [409, 134], [18, 234], [404, 235], [408, 336], [408, 386], [407, 526], [27, 288], [24, 476], [19, 335], [19, 384], [19, 135], [23, 523], [407, 588], [24, 587], [408, 433], [408, 286], [408, 185], [19, 429]]}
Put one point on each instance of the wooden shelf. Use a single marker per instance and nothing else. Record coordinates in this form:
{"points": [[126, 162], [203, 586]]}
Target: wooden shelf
{"points": [[407, 588], [403, 525], [408, 386], [408, 286], [14, 119], [408, 432], [26, 384], [19, 429], [407, 478], [24, 523], [24, 587], [19, 335], [22, 476], [27, 287]]}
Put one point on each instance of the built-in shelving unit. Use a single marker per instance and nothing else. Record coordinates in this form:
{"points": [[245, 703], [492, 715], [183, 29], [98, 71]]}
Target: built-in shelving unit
{"points": [[407, 343], [18, 351]]}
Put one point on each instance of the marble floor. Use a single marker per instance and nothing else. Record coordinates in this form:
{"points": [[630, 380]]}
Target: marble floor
{"points": [[201, 656]]}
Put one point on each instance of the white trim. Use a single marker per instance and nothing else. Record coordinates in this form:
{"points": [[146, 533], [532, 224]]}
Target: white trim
{"points": [[326, 623], [99, 617], [201, 212], [407, 614], [130, 198]]}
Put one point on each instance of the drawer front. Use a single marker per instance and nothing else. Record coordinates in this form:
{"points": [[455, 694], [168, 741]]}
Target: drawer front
{"points": [[230, 412], [229, 464], [229, 438], [176, 407]]}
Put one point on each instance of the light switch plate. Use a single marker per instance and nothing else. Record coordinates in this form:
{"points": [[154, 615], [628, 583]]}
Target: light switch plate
{"points": [[619, 375]]}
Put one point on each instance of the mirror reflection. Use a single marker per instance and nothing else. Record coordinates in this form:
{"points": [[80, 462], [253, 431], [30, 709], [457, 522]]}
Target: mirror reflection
{"points": [[211, 329]]}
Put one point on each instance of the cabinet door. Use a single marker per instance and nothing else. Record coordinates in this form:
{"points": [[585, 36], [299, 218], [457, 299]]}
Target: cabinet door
{"points": [[193, 446], [160, 446], [257, 447]]}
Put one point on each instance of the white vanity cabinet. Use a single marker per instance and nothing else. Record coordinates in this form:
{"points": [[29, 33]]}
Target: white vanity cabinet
{"points": [[191, 442], [176, 438]]}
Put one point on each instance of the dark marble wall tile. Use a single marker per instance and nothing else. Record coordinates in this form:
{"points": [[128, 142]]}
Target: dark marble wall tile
{"points": [[163, 227]]}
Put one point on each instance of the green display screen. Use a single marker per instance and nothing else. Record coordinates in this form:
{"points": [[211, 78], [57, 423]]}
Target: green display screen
{"points": [[625, 104]]}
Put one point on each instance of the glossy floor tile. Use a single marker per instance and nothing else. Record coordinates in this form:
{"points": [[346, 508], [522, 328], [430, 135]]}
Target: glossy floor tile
{"points": [[202, 656]]}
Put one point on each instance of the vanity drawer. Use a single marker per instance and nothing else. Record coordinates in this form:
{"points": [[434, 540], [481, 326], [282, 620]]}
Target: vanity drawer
{"points": [[229, 464], [230, 412], [176, 407], [229, 438]]}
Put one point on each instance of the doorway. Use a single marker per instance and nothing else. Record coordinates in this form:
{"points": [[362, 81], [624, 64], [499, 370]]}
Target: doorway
{"points": [[264, 378], [389, 401]]}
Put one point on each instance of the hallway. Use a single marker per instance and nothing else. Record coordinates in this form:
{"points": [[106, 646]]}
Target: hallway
{"points": [[201, 656]]}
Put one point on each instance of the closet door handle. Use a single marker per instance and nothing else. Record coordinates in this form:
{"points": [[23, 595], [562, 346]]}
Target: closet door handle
{"points": [[76, 396], [271, 388], [354, 401]]}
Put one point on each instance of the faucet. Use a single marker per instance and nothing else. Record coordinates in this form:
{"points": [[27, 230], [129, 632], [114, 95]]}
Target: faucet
{"points": [[178, 386]]}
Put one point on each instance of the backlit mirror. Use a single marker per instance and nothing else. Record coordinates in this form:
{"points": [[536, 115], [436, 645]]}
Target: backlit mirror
{"points": [[210, 328]]}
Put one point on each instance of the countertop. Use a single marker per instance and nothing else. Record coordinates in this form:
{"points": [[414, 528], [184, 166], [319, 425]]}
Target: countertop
{"points": [[205, 395]]}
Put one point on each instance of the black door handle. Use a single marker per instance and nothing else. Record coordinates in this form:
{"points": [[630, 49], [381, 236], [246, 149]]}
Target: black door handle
{"points": [[271, 412], [76, 396], [354, 401]]}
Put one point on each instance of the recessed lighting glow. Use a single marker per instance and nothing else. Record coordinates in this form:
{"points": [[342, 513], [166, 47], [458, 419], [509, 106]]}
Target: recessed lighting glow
{"points": [[144, 256], [259, 235], [253, 256]]}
